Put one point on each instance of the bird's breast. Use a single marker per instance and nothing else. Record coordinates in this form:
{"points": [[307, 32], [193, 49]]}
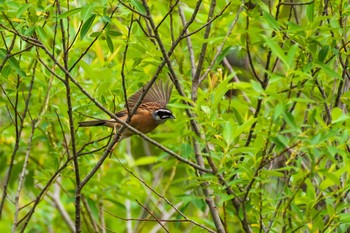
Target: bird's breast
{"points": [[143, 121]]}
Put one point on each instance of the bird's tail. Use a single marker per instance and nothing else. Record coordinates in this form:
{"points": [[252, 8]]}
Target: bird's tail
{"points": [[92, 123]]}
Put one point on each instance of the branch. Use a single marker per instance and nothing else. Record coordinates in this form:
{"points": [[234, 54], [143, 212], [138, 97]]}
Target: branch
{"points": [[152, 216], [205, 185], [221, 46], [18, 128], [164, 198]]}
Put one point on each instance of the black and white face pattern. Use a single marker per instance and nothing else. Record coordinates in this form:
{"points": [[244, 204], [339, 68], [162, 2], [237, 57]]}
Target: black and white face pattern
{"points": [[161, 115]]}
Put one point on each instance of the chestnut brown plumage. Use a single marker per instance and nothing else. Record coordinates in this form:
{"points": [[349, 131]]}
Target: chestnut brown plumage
{"points": [[151, 112]]}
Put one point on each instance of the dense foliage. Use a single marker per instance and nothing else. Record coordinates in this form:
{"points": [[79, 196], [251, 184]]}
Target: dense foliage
{"points": [[261, 96]]}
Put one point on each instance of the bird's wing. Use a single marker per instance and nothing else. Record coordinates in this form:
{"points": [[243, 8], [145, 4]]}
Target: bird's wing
{"points": [[158, 93]]}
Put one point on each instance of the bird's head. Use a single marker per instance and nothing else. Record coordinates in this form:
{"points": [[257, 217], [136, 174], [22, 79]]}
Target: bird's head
{"points": [[162, 114]]}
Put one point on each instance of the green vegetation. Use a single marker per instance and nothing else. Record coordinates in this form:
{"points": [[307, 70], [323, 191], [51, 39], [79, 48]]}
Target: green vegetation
{"points": [[261, 98]]}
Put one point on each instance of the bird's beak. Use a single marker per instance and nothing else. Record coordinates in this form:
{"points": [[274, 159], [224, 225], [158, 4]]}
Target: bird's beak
{"points": [[172, 117]]}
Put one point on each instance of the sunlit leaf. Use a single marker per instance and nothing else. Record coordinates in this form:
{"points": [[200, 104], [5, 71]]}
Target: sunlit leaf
{"points": [[69, 13], [23, 9], [271, 20], [310, 11], [86, 12], [146, 160], [277, 50], [228, 133], [138, 6], [114, 33]]}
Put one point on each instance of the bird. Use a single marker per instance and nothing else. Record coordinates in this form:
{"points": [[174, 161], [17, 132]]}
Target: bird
{"points": [[151, 113]]}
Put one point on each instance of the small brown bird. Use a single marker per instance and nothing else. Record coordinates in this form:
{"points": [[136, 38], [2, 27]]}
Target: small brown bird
{"points": [[151, 112]]}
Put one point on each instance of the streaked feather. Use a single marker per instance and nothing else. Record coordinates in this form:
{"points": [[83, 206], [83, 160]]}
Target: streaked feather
{"points": [[159, 93]]}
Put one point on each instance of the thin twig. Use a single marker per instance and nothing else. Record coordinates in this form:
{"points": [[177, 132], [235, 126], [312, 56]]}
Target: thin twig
{"points": [[148, 211], [189, 43], [221, 46], [18, 127], [199, 158], [124, 63], [169, 13], [164, 198]]}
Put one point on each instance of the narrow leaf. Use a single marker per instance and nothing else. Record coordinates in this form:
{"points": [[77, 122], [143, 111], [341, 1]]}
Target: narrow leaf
{"points": [[277, 50], [310, 12], [138, 6], [114, 33], [86, 12], [271, 20], [291, 55], [106, 19], [87, 26], [228, 132], [245, 127], [323, 53], [22, 9], [329, 71], [95, 34], [146, 160], [41, 32], [289, 118], [69, 13], [110, 44]]}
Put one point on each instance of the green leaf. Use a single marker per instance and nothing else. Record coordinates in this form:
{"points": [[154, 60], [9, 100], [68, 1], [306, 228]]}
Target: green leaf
{"points": [[95, 34], [15, 65], [245, 127], [41, 32], [3, 53], [136, 62], [87, 26], [316, 139], [323, 53], [22, 9], [220, 91], [291, 55], [106, 19], [331, 179], [224, 53], [29, 31], [93, 207], [280, 141], [110, 44], [3, 161], [279, 110], [113, 33], [338, 115], [227, 133], [238, 116], [289, 118], [69, 13], [186, 150], [344, 217], [277, 50], [138, 6], [271, 173], [6, 70], [86, 12], [329, 71], [271, 20], [310, 12], [146, 160]]}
